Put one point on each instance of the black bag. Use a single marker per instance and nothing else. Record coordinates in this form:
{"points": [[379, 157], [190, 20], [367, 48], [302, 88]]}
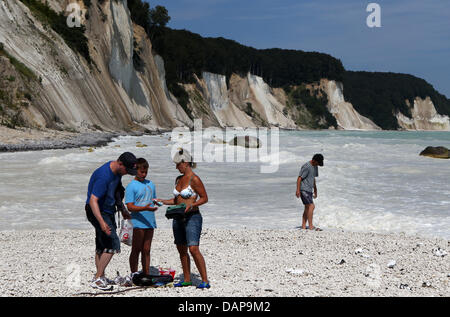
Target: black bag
{"points": [[149, 280], [165, 279], [119, 195], [176, 212]]}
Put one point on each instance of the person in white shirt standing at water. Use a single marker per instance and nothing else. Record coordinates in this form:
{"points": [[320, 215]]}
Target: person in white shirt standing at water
{"points": [[306, 184]]}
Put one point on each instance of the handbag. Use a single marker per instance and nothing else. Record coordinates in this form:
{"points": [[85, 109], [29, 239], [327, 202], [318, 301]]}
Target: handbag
{"points": [[176, 212]]}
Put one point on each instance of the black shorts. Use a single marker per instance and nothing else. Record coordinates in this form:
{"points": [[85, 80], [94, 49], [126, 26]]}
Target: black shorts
{"points": [[307, 198], [103, 242]]}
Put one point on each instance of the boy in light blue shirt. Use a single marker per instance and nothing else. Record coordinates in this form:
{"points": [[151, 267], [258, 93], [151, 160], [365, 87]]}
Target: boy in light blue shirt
{"points": [[139, 196]]}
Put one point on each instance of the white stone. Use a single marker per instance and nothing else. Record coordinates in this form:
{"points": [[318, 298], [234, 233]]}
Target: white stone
{"points": [[391, 264]]}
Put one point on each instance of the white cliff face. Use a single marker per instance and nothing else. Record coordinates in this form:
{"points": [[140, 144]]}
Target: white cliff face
{"points": [[266, 104], [176, 112], [121, 67], [346, 116], [39, 53], [217, 89], [247, 102], [109, 93], [424, 117], [121, 63], [225, 111]]}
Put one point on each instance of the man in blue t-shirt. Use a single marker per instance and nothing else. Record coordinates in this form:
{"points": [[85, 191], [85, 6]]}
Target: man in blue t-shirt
{"points": [[100, 210], [306, 188]]}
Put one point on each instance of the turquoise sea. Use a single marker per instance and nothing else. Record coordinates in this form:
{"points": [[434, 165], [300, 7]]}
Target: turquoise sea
{"points": [[371, 182]]}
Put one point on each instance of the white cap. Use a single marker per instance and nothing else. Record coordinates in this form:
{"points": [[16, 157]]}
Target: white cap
{"points": [[183, 155]]}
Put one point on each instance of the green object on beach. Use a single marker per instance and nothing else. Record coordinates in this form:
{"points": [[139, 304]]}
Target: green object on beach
{"points": [[182, 205], [182, 284], [176, 211]]}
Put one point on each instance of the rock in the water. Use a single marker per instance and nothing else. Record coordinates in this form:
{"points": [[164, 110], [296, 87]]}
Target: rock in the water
{"points": [[246, 141], [216, 140], [436, 152]]}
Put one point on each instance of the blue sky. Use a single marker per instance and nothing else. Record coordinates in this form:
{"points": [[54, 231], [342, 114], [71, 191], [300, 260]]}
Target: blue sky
{"points": [[414, 36]]}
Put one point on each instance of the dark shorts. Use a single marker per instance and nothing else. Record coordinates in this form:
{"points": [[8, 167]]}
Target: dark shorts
{"points": [[187, 231], [307, 198], [103, 242]]}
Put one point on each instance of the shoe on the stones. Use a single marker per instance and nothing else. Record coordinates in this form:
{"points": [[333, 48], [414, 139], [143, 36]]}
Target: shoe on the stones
{"points": [[101, 284], [203, 285], [182, 284]]}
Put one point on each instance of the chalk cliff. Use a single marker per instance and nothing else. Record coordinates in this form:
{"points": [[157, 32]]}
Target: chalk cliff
{"points": [[246, 102], [45, 83], [250, 102], [109, 93], [424, 117], [346, 116]]}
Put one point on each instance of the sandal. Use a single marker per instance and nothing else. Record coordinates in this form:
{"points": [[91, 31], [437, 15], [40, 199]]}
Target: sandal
{"points": [[182, 284], [204, 285]]}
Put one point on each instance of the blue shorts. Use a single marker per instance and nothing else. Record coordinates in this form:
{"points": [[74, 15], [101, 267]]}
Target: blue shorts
{"points": [[307, 197], [143, 220], [187, 231], [103, 242]]}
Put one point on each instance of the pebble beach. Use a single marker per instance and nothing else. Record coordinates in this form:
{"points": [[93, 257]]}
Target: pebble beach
{"points": [[240, 263]]}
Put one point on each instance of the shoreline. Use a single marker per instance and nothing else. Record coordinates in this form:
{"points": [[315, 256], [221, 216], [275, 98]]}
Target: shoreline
{"points": [[30, 139], [240, 263], [26, 139]]}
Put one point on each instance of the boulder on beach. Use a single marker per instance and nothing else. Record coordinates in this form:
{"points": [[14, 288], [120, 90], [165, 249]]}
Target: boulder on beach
{"points": [[246, 141], [436, 152], [216, 140]]}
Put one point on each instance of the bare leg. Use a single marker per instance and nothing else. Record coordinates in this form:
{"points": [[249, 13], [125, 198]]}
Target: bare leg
{"points": [[146, 246], [199, 262], [305, 217], [310, 215], [97, 260], [136, 249], [185, 261], [102, 263]]}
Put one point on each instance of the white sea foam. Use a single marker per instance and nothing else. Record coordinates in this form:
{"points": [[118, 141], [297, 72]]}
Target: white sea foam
{"points": [[282, 157], [371, 181], [51, 161]]}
